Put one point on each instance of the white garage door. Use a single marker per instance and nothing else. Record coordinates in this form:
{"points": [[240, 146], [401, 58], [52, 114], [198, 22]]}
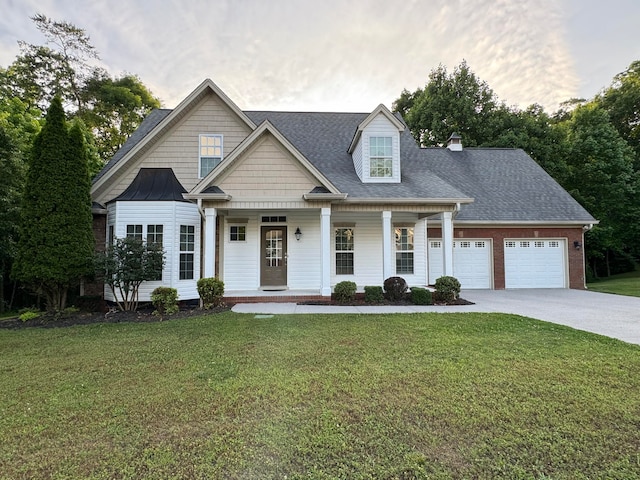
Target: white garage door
{"points": [[471, 262], [534, 263]]}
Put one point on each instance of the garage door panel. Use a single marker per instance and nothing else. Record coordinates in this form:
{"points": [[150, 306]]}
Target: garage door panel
{"points": [[471, 262], [535, 263]]}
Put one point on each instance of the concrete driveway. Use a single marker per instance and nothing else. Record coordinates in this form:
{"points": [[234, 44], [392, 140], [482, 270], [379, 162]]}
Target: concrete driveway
{"points": [[614, 316]]}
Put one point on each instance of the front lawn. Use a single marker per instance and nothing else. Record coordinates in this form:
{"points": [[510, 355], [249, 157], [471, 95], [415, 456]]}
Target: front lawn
{"points": [[319, 396], [623, 284]]}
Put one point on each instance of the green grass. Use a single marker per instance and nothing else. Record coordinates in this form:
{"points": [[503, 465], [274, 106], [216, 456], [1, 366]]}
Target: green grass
{"points": [[319, 397], [623, 284]]}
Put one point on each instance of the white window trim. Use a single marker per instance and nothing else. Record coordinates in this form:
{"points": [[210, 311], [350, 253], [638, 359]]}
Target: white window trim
{"points": [[232, 225], [336, 251], [200, 157], [395, 160], [412, 250]]}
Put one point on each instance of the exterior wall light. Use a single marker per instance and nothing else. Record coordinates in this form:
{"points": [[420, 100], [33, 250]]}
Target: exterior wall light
{"points": [[298, 233], [577, 245]]}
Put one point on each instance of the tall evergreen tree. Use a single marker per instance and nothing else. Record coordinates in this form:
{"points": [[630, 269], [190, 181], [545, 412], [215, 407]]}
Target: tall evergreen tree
{"points": [[55, 245]]}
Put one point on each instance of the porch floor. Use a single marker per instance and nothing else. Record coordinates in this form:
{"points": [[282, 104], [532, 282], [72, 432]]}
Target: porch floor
{"points": [[279, 296]]}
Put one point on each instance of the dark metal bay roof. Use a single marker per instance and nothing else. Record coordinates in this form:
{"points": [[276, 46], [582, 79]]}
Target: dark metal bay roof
{"points": [[153, 184]]}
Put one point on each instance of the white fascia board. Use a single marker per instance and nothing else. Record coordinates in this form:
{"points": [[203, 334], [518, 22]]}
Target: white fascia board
{"points": [[380, 109]]}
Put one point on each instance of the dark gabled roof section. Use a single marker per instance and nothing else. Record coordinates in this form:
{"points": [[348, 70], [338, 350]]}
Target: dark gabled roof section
{"points": [[153, 184], [212, 189], [324, 139], [507, 185], [148, 124]]}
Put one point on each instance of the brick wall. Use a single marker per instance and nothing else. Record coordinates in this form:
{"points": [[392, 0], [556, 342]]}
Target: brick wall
{"points": [[96, 288], [575, 257]]}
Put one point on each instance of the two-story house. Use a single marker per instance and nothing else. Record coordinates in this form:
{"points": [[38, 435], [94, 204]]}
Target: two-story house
{"points": [[297, 202]]}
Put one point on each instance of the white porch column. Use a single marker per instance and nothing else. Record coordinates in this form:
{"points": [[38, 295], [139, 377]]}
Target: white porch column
{"points": [[325, 252], [447, 244], [425, 232], [387, 251], [209, 242]]}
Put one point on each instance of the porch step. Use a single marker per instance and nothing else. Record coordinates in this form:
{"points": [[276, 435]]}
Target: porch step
{"points": [[231, 300]]}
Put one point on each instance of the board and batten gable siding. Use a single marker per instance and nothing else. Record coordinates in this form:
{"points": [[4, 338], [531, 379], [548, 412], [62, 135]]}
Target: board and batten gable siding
{"points": [[170, 215], [380, 126], [267, 171], [179, 147]]}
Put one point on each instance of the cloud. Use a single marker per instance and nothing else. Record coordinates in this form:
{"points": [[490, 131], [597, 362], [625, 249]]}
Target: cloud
{"points": [[331, 55]]}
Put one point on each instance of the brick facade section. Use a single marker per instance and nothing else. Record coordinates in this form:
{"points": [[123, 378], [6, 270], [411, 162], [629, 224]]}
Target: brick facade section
{"points": [[571, 234], [96, 288]]}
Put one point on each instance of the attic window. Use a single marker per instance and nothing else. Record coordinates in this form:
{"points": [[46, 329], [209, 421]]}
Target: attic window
{"points": [[210, 153], [380, 157]]}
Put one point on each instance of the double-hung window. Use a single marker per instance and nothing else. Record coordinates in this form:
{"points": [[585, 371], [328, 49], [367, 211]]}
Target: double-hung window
{"points": [[210, 153], [155, 234], [404, 250], [187, 247], [344, 250], [380, 157]]}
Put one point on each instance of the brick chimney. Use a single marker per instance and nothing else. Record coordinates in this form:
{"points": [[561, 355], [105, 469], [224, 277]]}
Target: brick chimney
{"points": [[454, 143]]}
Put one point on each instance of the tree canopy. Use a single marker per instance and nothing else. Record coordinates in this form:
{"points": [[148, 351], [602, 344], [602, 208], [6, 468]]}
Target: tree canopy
{"points": [[55, 245], [592, 148]]}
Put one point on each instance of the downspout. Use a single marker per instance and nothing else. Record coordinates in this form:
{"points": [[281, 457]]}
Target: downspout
{"points": [[585, 228]]}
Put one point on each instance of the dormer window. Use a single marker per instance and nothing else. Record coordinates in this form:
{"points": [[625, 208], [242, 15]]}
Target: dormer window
{"points": [[210, 153], [380, 157], [375, 148]]}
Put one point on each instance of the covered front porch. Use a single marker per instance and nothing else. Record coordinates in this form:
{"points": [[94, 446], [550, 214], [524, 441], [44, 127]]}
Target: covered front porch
{"points": [[300, 254]]}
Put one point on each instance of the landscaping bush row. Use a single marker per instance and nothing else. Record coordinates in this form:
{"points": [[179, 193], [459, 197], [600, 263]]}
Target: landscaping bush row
{"points": [[447, 290], [211, 291]]}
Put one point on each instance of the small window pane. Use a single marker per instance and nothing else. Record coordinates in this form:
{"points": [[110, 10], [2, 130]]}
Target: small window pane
{"points": [[237, 233], [134, 231]]}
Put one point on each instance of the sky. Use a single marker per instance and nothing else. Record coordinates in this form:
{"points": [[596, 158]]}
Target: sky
{"points": [[346, 55]]}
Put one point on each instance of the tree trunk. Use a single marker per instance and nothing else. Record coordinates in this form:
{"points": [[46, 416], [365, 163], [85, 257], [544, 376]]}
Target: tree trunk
{"points": [[606, 257]]}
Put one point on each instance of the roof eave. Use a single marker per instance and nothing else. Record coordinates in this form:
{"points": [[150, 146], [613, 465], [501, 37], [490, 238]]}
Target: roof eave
{"points": [[555, 223], [321, 197], [225, 197]]}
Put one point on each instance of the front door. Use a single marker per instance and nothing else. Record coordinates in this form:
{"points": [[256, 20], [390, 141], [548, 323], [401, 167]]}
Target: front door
{"points": [[273, 270]]}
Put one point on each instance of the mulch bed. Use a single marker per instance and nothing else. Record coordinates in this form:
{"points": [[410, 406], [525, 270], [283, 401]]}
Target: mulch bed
{"points": [[145, 314], [142, 315], [359, 302]]}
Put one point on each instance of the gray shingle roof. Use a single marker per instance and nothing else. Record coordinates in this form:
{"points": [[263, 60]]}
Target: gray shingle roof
{"points": [[324, 138], [148, 124], [507, 185]]}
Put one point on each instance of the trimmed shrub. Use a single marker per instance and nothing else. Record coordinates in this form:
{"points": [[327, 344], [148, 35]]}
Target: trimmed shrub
{"points": [[421, 296], [395, 288], [373, 295], [211, 291], [447, 289], [345, 292], [165, 299]]}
